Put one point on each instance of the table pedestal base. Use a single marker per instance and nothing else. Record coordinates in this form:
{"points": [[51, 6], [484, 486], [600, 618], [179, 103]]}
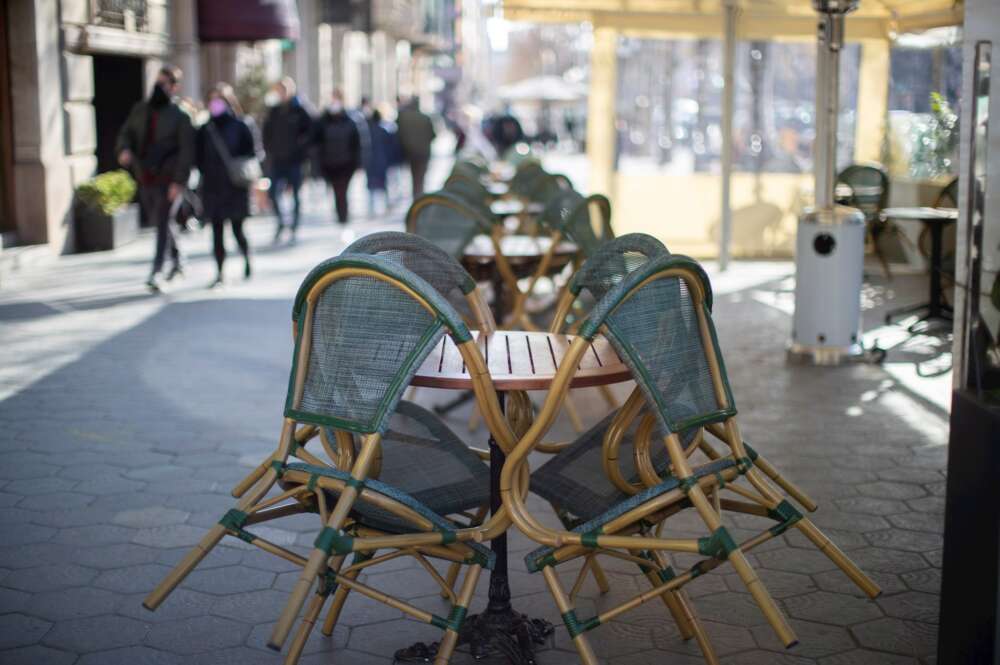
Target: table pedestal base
{"points": [[505, 632]]}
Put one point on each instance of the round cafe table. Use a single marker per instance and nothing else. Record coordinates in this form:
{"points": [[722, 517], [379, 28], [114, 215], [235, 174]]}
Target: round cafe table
{"points": [[517, 361], [523, 254]]}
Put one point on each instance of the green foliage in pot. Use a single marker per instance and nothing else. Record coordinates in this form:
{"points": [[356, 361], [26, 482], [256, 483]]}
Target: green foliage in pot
{"points": [[936, 142], [108, 192]]}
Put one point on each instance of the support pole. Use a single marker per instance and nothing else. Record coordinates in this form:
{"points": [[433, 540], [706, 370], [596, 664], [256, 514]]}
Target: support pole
{"points": [[730, 16], [601, 111]]}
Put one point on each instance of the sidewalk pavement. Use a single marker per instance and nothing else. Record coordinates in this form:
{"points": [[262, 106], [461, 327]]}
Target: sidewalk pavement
{"points": [[127, 417]]}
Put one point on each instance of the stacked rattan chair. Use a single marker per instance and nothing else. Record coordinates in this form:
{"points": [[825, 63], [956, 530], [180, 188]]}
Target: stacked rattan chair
{"points": [[658, 318], [389, 475], [868, 186]]}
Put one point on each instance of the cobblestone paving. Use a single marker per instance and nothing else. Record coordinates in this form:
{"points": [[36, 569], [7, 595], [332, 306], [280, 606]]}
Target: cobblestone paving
{"points": [[127, 419]]}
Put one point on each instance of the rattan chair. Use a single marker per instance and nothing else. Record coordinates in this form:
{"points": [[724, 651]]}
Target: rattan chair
{"points": [[436, 267], [363, 326], [658, 319], [869, 193]]}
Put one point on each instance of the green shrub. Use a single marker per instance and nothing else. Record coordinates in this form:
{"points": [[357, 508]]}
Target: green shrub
{"points": [[108, 191]]}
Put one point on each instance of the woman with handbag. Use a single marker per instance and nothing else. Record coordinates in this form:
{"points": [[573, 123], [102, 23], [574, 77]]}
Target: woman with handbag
{"points": [[226, 152]]}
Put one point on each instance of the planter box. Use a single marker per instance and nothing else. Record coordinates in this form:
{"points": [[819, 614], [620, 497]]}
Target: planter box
{"points": [[96, 231]]}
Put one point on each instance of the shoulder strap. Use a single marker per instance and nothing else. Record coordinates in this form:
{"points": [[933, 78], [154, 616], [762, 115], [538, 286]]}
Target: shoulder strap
{"points": [[220, 145]]}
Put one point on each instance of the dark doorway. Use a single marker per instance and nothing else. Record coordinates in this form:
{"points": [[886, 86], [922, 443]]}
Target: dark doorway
{"points": [[117, 87], [7, 222]]}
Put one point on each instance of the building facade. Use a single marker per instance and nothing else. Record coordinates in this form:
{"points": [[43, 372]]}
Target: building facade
{"points": [[70, 70]]}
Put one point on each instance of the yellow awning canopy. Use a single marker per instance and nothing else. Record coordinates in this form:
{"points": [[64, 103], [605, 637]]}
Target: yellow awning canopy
{"points": [[874, 19]]}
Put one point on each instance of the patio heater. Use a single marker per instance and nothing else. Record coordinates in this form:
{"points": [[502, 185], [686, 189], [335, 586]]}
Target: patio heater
{"points": [[829, 253]]}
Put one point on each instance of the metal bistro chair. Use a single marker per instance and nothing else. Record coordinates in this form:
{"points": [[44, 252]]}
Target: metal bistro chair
{"points": [[364, 324], [869, 193], [658, 319]]}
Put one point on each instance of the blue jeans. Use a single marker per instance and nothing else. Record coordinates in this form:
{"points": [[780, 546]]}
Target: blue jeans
{"points": [[290, 175]]}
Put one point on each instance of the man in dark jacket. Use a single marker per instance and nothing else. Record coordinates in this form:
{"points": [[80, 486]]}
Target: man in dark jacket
{"points": [[157, 144], [416, 133], [338, 146], [285, 134]]}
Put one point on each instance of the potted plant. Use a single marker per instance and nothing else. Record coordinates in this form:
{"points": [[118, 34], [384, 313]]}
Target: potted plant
{"points": [[103, 215]]}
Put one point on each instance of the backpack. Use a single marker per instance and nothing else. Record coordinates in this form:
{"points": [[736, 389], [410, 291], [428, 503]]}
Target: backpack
{"points": [[337, 148]]}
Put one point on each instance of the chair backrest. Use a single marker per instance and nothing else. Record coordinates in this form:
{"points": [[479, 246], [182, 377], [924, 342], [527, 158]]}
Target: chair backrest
{"points": [[446, 221], [470, 191], [364, 324], [546, 186], [580, 226], [659, 321], [434, 265], [869, 188], [948, 198], [613, 262]]}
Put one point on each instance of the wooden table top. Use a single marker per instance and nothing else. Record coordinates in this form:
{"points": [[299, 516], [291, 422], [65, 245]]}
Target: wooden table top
{"points": [[522, 361], [922, 214], [515, 248]]}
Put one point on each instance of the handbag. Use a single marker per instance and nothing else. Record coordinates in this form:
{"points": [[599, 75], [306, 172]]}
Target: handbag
{"points": [[242, 171]]}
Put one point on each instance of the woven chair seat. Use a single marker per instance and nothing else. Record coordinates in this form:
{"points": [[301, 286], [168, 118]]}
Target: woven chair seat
{"points": [[533, 559], [423, 463], [574, 480]]}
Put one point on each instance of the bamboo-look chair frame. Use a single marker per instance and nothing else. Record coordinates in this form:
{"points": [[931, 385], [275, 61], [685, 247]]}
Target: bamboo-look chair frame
{"points": [[327, 571], [690, 489]]}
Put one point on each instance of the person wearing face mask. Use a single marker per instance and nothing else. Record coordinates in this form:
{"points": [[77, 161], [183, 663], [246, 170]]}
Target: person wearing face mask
{"points": [[338, 147], [156, 144], [225, 138], [286, 131]]}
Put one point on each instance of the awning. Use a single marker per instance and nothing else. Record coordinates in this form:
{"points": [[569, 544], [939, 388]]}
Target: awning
{"points": [[247, 20]]}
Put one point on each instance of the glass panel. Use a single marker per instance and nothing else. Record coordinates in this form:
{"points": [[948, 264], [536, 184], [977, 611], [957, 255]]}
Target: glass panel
{"points": [[983, 320], [669, 106]]}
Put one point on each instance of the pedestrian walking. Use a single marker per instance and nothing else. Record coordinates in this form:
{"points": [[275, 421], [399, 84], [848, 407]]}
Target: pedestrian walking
{"points": [[287, 131], [338, 146], [377, 167], [156, 144], [416, 133], [223, 144]]}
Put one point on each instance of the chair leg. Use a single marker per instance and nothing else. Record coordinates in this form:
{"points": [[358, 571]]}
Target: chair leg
{"points": [[587, 656], [340, 595], [670, 599], [573, 414], [305, 628], [184, 567], [599, 576], [834, 553], [459, 609]]}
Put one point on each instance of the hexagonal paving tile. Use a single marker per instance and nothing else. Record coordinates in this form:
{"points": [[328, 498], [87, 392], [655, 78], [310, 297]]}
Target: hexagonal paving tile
{"points": [[317, 642], [72, 603], [251, 606], [906, 638], [174, 535], [859, 657], [930, 522], [900, 539], [928, 581], [795, 560], [384, 639], [100, 534], [99, 633], [229, 579], [107, 557], [815, 639], [912, 605], [890, 490], [197, 635], [180, 604], [832, 608], [132, 579], [888, 561], [37, 654], [17, 630], [150, 517], [46, 578], [13, 601], [132, 656]]}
